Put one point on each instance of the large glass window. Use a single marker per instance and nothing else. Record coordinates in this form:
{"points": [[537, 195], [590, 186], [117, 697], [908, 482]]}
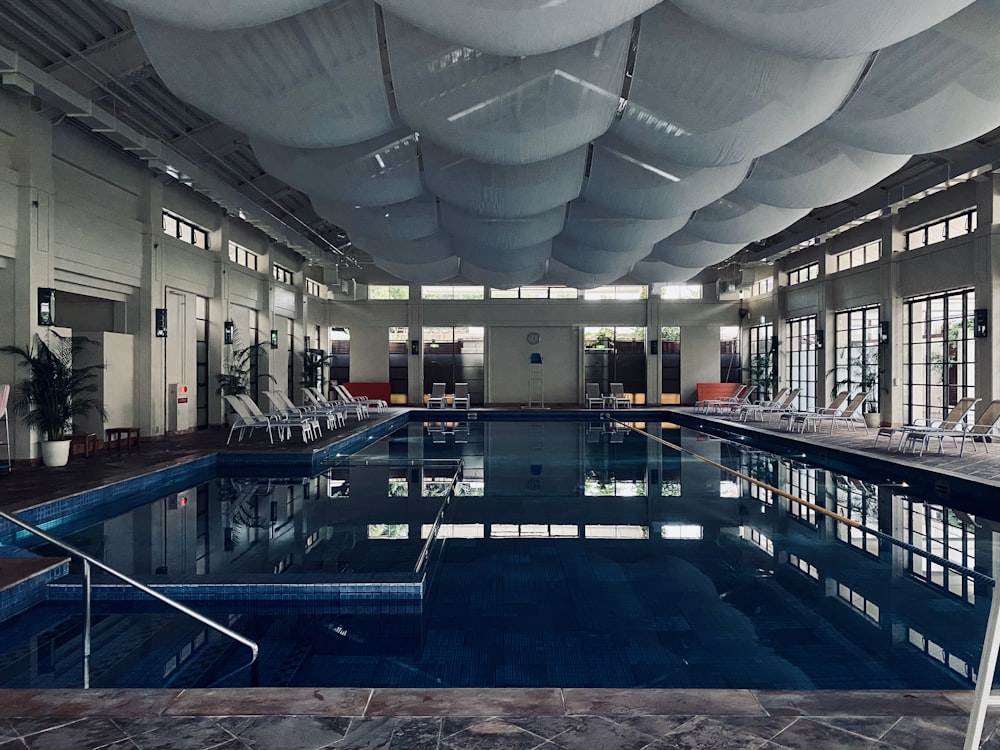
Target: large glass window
{"points": [[801, 342], [761, 372], [670, 364], [616, 355], [938, 353], [943, 229], [388, 291], [399, 364], [535, 292], [201, 362], [451, 292], [340, 355], [859, 256], [621, 292], [455, 354], [730, 365], [856, 353]]}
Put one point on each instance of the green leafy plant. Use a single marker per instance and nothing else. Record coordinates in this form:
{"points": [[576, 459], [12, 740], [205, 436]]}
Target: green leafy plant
{"points": [[238, 368], [314, 363], [761, 373], [861, 372], [54, 391]]}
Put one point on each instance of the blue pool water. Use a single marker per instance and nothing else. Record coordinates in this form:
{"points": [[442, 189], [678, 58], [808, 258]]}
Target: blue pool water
{"points": [[571, 554]]}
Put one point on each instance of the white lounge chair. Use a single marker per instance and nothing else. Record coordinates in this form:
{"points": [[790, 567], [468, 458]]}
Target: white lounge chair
{"points": [[981, 429], [334, 417], [284, 422], [247, 420], [437, 398], [461, 398], [316, 398], [618, 398], [850, 416], [344, 396], [377, 404], [799, 418], [955, 416], [740, 396], [592, 392]]}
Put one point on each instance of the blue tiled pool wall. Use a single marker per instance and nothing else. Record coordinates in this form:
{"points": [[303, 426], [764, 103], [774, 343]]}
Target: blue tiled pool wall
{"points": [[125, 494], [25, 594], [324, 593]]}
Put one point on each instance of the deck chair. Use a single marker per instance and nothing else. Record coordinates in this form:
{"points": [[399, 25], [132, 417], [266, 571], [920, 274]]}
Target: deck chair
{"points": [[334, 417], [742, 411], [707, 405], [246, 420], [618, 398], [981, 429], [775, 406], [798, 418], [592, 393], [461, 398], [344, 396], [315, 398], [283, 422], [437, 398], [955, 416], [4, 397], [377, 404], [850, 416]]}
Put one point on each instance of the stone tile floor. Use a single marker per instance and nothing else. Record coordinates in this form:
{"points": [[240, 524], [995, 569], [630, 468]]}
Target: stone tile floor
{"points": [[470, 719]]}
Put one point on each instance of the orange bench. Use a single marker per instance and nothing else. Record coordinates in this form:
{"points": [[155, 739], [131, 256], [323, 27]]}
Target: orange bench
{"points": [[715, 391]]}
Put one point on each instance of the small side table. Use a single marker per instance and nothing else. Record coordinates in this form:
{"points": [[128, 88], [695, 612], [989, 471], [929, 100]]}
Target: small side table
{"points": [[116, 436], [83, 443]]}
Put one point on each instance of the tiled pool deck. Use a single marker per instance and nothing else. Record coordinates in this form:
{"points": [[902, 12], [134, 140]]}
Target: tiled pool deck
{"points": [[468, 719]]}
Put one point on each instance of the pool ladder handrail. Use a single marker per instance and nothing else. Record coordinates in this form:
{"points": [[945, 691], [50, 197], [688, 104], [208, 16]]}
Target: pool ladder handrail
{"points": [[88, 561]]}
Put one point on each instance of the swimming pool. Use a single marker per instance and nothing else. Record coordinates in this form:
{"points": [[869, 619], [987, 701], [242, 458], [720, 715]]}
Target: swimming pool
{"points": [[571, 554]]}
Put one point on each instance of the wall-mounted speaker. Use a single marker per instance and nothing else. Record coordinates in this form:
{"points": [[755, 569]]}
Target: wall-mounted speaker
{"points": [[980, 326]]}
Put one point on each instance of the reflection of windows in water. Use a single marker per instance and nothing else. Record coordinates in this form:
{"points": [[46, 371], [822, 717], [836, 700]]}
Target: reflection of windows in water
{"points": [[859, 602], [806, 567], [670, 489], [760, 540], [857, 501], [388, 530], [936, 651], [945, 533], [729, 488], [802, 484], [682, 531]]}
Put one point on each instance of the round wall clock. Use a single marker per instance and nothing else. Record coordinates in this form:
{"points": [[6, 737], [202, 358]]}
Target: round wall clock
{"points": [[533, 337]]}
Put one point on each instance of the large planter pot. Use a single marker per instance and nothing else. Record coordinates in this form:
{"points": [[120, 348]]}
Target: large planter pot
{"points": [[873, 418], [55, 452]]}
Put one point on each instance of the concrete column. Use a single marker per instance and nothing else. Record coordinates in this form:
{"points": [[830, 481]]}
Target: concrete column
{"points": [[654, 370], [150, 352], [891, 313], [699, 359], [415, 370], [986, 249]]}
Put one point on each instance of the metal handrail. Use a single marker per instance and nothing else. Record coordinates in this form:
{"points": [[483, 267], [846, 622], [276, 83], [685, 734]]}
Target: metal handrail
{"points": [[89, 561], [432, 534]]}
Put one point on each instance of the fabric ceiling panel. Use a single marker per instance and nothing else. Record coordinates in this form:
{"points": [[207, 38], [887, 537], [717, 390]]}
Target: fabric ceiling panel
{"points": [[690, 251], [658, 272], [706, 100], [526, 27], [816, 170], [313, 79], [489, 259], [375, 172], [502, 279], [502, 234], [506, 110], [228, 14], [430, 249], [500, 190], [422, 273], [645, 186], [932, 91], [738, 220], [559, 273], [599, 228], [595, 260], [409, 220], [821, 28]]}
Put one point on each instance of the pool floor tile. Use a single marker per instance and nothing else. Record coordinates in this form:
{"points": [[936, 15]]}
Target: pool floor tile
{"points": [[287, 732]]}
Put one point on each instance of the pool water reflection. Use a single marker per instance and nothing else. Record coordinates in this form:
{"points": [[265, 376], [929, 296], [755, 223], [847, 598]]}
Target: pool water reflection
{"points": [[578, 554]]}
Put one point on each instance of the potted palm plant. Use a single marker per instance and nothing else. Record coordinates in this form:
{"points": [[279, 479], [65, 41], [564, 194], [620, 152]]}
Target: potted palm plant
{"points": [[238, 368], [861, 371], [54, 392]]}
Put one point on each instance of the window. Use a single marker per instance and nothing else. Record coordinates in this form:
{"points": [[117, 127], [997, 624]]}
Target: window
{"points": [[730, 365], [936, 651], [805, 273], [859, 256], [681, 291], [243, 257], [758, 539], [803, 565], [282, 274], [670, 364], [616, 354], [535, 292], [857, 501], [682, 531], [621, 293], [184, 230], [762, 287], [939, 363], [801, 344], [761, 366], [455, 354], [943, 229], [388, 291], [941, 532], [856, 353], [451, 292], [863, 605], [314, 288], [399, 363]]}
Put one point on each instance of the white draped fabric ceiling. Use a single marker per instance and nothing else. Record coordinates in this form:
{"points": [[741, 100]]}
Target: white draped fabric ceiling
{"points": [[509, 142]]}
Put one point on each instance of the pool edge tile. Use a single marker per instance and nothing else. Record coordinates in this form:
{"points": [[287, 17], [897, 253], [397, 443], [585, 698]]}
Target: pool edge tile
{"points": [[661, 702], [466, 702], [268, 701]]}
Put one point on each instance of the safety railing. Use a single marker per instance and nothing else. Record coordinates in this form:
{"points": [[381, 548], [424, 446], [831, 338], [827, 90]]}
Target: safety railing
{"points": [[89, 561]]}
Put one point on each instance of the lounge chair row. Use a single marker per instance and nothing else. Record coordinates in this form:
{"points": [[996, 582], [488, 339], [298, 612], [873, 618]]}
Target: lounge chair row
{"points": [[955, 426], [616, 399], [285, 417], [438, 398]]}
